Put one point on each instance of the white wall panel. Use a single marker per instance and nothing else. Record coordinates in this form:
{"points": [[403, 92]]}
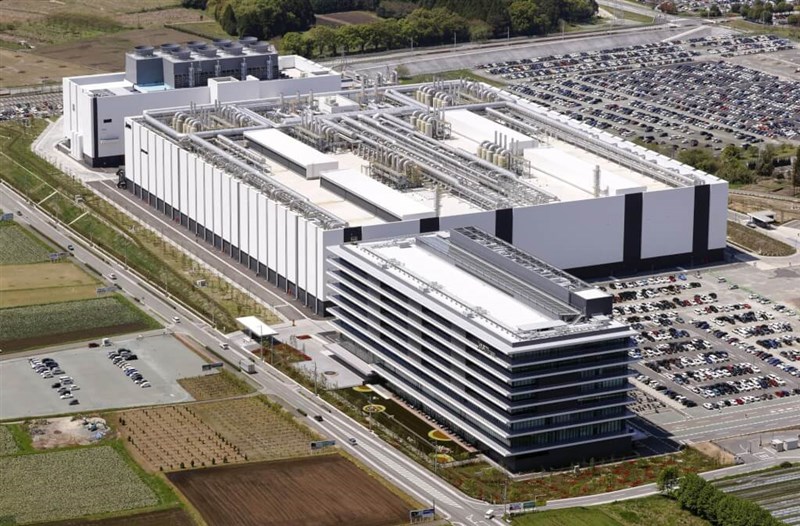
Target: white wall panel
{"points": [[272, 235], [573, 234], [718, 216], [385, 230], [667, 222], [158, 179], [313, 249], [238, 212], [224, 197], [173, 175], [253, 227], [129, 158], [263, 229], [281, 235], [136, 156], [151, 161], [188, 182], [208, 196], [302, 249], [291, 246], [216, 200], [483, 220]]}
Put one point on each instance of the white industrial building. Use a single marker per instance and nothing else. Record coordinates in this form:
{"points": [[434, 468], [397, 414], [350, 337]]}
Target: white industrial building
{"points": [[273, 183], [518, 357], [174, 75]]}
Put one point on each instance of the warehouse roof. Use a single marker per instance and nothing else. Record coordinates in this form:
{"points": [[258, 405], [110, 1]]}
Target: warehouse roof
{"points": [[288, 147]]}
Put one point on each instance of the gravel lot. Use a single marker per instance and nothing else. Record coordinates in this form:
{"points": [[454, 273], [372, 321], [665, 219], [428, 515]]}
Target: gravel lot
{"points": [[162, 360]]}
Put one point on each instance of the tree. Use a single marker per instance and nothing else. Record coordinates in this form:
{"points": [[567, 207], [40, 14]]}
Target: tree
{"points": [[765, 165], [294, 43], [796, 170], [262, 18], [479, 31], [668, 8], [668, 479], [699, 158], [194, 4], [527, 18], [714, 11], [324, 39], [689, 491]]}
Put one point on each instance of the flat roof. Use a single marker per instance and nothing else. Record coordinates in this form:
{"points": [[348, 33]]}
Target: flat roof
{"points": [[256, 326], [478, 128], [275, 140], [454, 282], [387, 199]]}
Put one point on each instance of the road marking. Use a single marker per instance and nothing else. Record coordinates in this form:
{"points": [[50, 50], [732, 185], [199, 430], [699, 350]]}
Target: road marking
{"points": [[79, 217], [48, 197]]}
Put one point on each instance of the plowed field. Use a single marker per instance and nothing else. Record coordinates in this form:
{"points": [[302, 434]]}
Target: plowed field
{"points": [[315, 491]]}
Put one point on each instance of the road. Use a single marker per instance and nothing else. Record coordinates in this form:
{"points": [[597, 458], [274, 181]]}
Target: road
{"points": [[371, 450]]}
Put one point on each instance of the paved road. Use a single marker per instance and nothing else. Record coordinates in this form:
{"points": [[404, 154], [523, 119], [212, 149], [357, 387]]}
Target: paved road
{"points": [[378, 455]]}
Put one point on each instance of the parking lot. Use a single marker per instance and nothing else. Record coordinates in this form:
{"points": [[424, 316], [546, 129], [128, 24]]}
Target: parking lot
{"points": [[705, 345], [675, 94], [160, 359], [24, 106]]}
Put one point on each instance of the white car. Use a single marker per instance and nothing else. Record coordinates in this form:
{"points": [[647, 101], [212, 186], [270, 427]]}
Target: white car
{"points": [[65, 396], [144, 384]]}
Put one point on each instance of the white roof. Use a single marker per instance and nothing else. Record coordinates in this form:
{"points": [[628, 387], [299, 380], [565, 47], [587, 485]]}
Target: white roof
{"points": [[256, 326], [453, 282], [288, 147], [377, 194], [592, 293], [479, 129]]}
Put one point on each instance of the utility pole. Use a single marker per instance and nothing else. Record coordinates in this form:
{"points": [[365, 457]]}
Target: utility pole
{"points": [[454, 39], [412, 43]]}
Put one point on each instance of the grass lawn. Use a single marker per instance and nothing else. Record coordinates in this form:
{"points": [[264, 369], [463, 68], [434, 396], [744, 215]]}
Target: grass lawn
{"points": [[40, 283], [451, 75], [209, 29], [484, 482], [118, 234], [781, 31], [757, 242], [648, 511]]}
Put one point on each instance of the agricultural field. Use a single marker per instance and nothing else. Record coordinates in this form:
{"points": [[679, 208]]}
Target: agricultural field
{"points": [[259, 429], [648, 511], [39, 325], [208, 29], [277, 493], [8, 445], [215, 386], [90, 481], [171, 517], [776, 491], [21, 247], [346, 18], [40, 283], [174, 437]]}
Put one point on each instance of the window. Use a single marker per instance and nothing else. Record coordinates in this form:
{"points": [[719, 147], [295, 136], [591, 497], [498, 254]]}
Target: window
{"points": [[106, 121]]}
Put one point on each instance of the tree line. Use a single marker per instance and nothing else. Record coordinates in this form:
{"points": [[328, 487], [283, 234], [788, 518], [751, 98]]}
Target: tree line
{"points": [[705, 500], [434, 22]]}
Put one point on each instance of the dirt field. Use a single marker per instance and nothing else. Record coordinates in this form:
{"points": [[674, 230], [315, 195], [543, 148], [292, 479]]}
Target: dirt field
{"points": [[67, 431], [280, 493], [33, 9], [23, 68], [107, 53], [346, 18], [44, 283], [214, 386], [21, 344], [173, 517], [163, 438], [259, 431]]}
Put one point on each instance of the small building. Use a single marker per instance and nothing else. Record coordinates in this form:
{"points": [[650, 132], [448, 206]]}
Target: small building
{"points": [[763, 218], [255, 328]]}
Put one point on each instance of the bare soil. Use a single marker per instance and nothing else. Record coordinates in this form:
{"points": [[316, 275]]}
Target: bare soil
{"points": [[346, 18], [59, 432], [714, 451], [107, 53], [71, 336], [23, 68], [173, 517], [280, 493]]}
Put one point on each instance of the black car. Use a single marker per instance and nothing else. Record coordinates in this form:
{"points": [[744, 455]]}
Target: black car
{"points": [[56, 385], [74, 402]]}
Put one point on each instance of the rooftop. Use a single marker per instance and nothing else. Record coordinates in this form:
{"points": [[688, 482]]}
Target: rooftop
{"points": [[488, 150], [452, 269]]}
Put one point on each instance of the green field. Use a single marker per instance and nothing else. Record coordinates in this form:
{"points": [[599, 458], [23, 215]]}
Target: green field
{"points": [[648, 511], [39, 325], [775, 490], [69, 484], [8, 445], [20, 246]]}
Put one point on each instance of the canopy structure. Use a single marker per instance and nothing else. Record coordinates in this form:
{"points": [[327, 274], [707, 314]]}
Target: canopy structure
{"points": [[256, 327]]}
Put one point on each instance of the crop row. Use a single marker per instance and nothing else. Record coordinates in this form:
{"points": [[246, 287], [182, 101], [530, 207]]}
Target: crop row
{"points": [[69, 484], [57, 318], [20, 247]]}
